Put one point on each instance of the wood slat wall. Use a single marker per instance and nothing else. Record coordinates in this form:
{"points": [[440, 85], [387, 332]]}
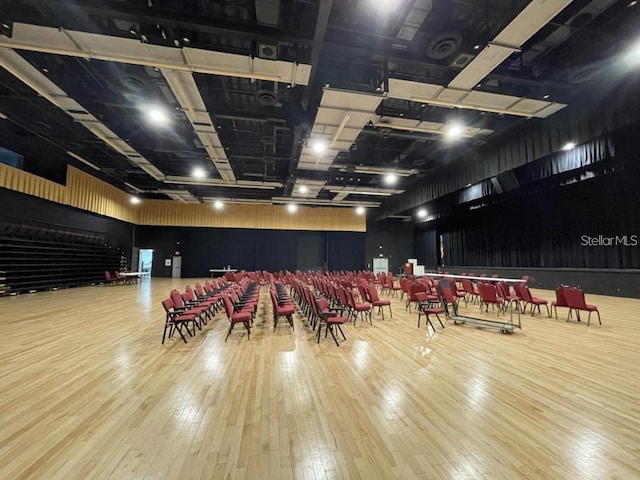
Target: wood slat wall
{"points": [[89, 193], [276, 217]]}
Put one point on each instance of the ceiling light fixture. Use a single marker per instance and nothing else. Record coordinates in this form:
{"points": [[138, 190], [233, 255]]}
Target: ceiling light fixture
{"points": [[422, 213], [3, 116], [199, 172], [455, 131], [390, 179], [569, 146], [292, 208], [303, 189], [319, 147], [546, 96], [476, 47], [218, 205], [360, 210], [157, 116], [135, 200], [386, 6], [632, 3]]}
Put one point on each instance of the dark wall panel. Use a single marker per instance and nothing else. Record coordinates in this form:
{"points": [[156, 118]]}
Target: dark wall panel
{"points": [[426, 247]]}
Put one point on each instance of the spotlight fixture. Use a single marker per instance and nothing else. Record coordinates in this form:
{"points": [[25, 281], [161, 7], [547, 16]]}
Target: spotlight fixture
{"points": [[319, 147], [292, 208], [158, 116], [218, 205], [569, 146], [360, 210], [633, 3], [476, 47], [303, 189], [199, 172], [390, 179], [422, 213], [135, 200], [545, 96]]}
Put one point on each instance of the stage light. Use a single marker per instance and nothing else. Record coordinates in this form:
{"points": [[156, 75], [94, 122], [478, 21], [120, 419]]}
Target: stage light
{"points": [[292, 208], [360, 210], [135, 200], [218, 205], [569, 146], [455, 130], [303, 189], [422, 213]]}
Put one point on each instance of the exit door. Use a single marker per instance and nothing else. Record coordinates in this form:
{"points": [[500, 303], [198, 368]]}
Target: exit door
{"points": [[176, 267]]}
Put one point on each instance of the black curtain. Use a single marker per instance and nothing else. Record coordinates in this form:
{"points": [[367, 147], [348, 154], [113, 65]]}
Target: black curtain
{"points": [[426, 244], [590, 224], [249, 249]]}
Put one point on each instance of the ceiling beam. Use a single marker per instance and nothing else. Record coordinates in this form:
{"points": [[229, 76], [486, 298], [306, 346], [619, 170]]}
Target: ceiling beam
{"points": [[320, 32]]}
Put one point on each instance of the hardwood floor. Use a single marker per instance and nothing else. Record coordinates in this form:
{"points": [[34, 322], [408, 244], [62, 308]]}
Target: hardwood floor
{"points": [[88, 392]]}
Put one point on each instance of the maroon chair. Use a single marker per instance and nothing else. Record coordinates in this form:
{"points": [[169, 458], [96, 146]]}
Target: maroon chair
{"points": [[175, 320], [489, 296], [331, 317], [180, 305], [524, 294], [576, 301], [282, 309], [506, 295], [377, 301], [358, 308], [236, 317], [427, 307], [470, 290], [560, 301]]}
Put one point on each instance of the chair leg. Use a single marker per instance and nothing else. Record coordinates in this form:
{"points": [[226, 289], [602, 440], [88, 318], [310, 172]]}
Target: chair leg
{"points": [[248, 327], [548, 311], [330, 329], [599, 321], [341, 332], [589, 319], [438, 317], [390, 313], [180, 332], [229, 332]]}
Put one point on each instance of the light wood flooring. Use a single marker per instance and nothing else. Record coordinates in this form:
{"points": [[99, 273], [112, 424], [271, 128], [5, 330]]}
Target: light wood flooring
{"points": [[88, 392]]}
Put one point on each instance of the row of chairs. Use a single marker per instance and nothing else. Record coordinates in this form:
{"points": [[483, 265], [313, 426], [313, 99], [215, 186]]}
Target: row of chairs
{"points": [[318, 311], [191, 308]]}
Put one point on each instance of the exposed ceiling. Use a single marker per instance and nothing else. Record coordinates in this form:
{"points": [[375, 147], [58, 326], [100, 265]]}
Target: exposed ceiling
{"points": [[313, 101]]}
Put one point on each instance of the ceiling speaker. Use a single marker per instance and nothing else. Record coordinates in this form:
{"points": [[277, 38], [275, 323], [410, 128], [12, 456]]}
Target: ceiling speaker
{"points": [[268, 51]]}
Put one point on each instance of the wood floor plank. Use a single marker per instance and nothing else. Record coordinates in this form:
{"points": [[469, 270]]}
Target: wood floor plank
{"points": [[88, 392]]}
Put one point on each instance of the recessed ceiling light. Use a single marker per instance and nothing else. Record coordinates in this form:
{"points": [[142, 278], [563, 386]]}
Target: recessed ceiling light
{"points": [[390, 179], [6, 26], [476, 47], [185, 40], [360, 210], [546, 96], [569, 146], [45, 70], [135, 200], [158, 116], [303, 189], [631, 4], [199, 172], [455, 130], [218, 205], [421, 213], [319, 147], [292, 208]]}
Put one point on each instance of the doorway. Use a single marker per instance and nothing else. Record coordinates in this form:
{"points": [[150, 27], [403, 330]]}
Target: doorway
{"points": [[176, 267], [145, 260]]}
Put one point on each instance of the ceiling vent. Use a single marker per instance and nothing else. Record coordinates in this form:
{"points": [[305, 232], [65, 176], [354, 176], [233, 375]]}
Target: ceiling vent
{"points": [[268, 51], [266, 98], [461, 61], [444, 45], [583, 75]]}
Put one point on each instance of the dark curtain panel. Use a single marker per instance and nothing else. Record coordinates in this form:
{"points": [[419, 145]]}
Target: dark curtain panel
{"points": [[248, 249], [591, 224], [426, 244], [345, 250]]}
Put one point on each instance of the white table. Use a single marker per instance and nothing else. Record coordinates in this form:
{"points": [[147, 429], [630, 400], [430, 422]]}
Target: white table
{"points": [[222, 270]]}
